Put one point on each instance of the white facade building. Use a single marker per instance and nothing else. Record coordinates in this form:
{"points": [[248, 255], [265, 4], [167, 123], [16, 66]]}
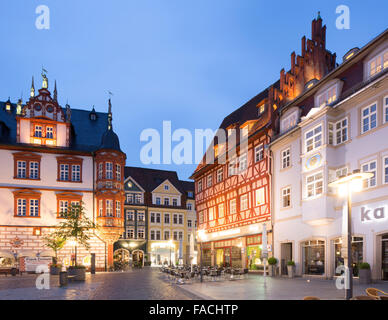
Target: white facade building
{"points": [[338, 125]]}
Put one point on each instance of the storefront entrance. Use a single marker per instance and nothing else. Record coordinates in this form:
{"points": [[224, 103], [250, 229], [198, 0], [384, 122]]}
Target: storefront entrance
{"points": [[313, 257], [138, 258], [384, 260], [286, 252], [223, 257]]}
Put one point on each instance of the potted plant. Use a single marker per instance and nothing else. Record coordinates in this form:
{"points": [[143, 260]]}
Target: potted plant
{"points": [[364, 273], [76, 226], [291, 269], [56, 243], [272, 266], [77, 271]]}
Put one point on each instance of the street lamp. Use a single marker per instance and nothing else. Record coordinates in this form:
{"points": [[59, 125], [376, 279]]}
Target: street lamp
{"points": [[201, 236], [345, 185]]}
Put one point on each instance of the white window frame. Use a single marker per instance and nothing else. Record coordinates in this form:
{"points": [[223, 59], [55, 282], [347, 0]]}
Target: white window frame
{"points": [[140, 216], [64, 171], [22, 169], [21, 207], [244, 202], [76, 172], [130, 232], [336, 131], [118, 172], [209, 180], [130, 215], [221, 210], [199, 186], [109, 170], [315, 145], [369, 116], [118, 209], [385, 108], [109, 208], [220, 175], [167, 215], [315, 185], [34, 208], [385, 170], [233, 206], [286, 158], [367, 182], [49, 133], [259, 153], [140, 232], [232, 168], [243, 162], [328, 96], [381, 63], [286, 192]]}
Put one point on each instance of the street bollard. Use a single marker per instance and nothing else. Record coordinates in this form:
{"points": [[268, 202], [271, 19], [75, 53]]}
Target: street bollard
{"points": [[63, 279], [93, 263]]}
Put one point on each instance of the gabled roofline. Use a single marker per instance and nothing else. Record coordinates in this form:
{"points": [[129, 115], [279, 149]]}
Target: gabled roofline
{"points": [[129, 177], [164, 181]]}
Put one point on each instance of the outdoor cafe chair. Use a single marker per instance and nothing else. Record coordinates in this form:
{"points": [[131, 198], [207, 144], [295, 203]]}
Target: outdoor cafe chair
{"points": [[376, 293], [311, 298], [363, 298]]}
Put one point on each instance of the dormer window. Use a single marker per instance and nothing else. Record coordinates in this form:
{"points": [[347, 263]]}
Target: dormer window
{"points": [[38, 131], [261, 109], [327, 97], [49, 133], [289, 122], [378, 64]]}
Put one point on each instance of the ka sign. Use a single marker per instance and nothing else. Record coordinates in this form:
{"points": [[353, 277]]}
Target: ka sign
{"points": [[377, 214]]}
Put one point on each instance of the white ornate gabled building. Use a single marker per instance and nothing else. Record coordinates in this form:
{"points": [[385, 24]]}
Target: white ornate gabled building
{"points": [[337, 125], [52, 157]]}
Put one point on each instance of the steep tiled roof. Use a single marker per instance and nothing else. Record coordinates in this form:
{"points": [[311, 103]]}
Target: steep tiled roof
{"points": [[86, 133], [149, 179]]}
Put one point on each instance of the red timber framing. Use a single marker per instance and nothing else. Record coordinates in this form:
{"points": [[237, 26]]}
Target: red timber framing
{"points": [[252, 184]]}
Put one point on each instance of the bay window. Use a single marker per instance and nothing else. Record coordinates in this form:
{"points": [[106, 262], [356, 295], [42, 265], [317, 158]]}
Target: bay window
{"points": [[338, 132], [313, 139], [314, 185]]}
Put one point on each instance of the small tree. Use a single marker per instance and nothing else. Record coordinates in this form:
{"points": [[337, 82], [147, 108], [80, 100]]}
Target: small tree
{"points": [[54, 241], [76, 226]]}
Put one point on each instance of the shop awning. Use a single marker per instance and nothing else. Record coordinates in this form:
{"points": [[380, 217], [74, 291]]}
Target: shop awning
{"points": [[30, 254], [6, 254], [47, 253]]}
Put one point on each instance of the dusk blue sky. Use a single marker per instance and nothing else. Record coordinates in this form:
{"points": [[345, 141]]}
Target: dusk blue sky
{"points": [[191, 62]]}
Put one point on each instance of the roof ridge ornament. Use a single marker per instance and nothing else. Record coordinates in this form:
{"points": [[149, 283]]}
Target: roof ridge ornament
{"points": [[45, 80], [32, 90], [110, 115]]}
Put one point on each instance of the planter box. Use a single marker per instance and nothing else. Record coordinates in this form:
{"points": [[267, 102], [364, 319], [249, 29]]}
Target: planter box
{"points": [[364, 276], [54, 271], [291, 271], [78, 273], [272, 270]]}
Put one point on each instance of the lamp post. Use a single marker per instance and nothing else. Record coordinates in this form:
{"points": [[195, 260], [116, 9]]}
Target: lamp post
{"points": [[170, 246], [201, 237], [345, 185]]}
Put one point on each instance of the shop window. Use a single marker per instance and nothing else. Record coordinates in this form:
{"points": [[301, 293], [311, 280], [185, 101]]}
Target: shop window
{"points": [[357, 254], [314, 257]]}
